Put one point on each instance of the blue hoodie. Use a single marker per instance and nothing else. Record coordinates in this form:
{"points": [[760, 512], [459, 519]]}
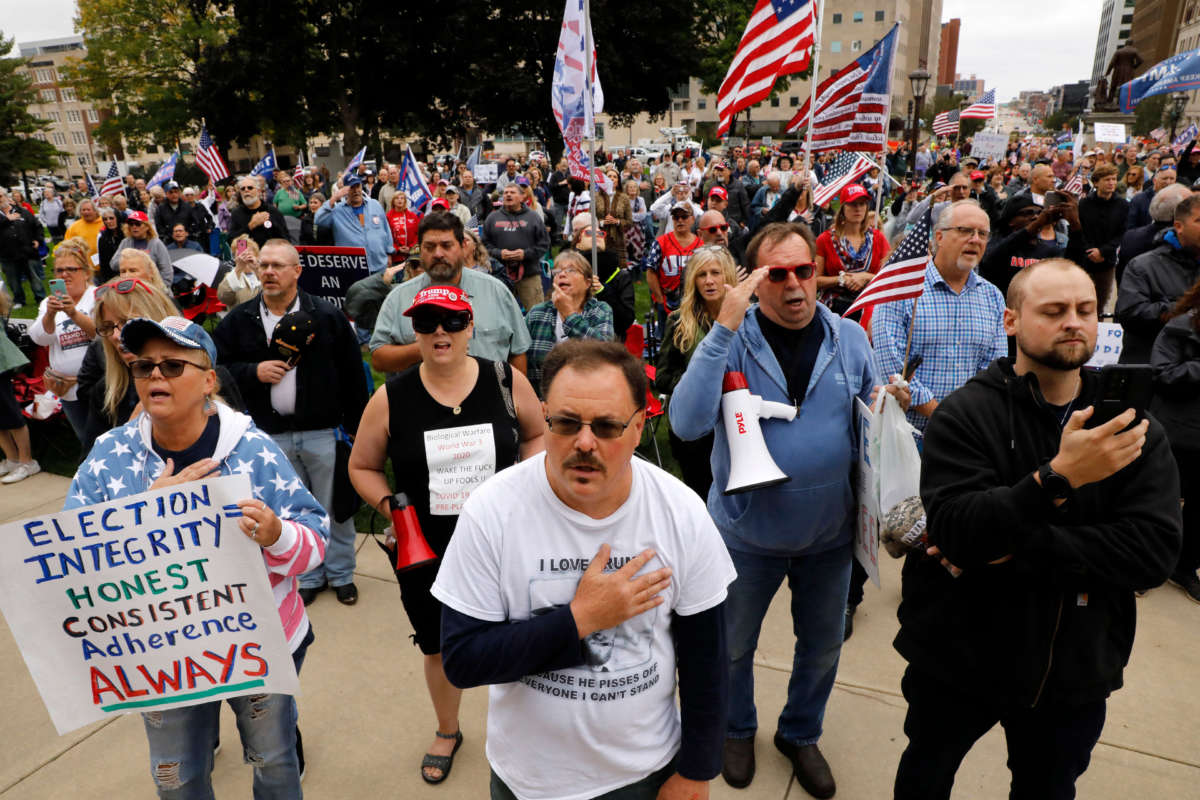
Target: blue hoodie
{"points": [[814, 511]]}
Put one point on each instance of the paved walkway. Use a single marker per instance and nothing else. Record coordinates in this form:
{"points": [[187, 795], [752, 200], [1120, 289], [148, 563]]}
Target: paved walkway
{"points": [[366, 717]]}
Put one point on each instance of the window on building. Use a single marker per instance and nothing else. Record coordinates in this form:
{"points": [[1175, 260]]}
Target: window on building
{"points": [[837, 19], [68, 94], [84, 159], [64, 161], [793, 101], [59, 138], [856, 45], [44, 75], [47, 95], [78, 137], [92, 116], [879, 16], [53, 116], [600, 131], [41, 137], [1127, 19], [73, 115], [858, 16], [774, 102], [701, 103], [835, 47]]}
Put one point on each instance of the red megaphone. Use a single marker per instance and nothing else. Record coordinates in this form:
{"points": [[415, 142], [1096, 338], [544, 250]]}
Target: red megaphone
{"points": [[411, 548]]}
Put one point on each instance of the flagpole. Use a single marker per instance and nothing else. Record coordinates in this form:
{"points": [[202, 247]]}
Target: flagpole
{"points": [[812, 93], [590, 114]]}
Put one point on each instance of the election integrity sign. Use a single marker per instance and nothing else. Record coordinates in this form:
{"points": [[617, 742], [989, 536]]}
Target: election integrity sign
{"points": [[152, 601], [327, 272]]}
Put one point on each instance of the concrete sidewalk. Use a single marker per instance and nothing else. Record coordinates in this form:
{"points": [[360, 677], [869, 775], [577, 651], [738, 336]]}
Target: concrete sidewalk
{"points": [[367, 719]]}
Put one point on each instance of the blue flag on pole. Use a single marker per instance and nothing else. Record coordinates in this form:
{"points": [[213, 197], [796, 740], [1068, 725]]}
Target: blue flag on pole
{"points": [[166, 172], [473, 159], [413, 182], [266, 165], [1179, 73], [355, 162]]}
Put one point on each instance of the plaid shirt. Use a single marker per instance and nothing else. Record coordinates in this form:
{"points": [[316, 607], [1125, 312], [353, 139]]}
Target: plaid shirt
{"points": [[595, 321], [957, 335]]}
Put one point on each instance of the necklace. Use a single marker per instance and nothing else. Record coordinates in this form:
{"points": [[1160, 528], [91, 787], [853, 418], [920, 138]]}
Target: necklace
{"points": [[1062, 418]]}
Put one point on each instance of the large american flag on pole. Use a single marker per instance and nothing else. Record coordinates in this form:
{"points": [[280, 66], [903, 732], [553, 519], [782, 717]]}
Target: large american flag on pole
{"points": [[851, 109], [983, 108], [778, 41], [845, 168], [208, 158], [112, 181], [946, 123], [903, 274]]}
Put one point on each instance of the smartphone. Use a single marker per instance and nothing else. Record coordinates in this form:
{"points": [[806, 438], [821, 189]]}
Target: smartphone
{"points": [[1123, 386], [1055, 198], [58, 287]]}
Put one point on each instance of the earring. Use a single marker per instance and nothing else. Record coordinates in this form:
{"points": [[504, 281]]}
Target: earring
{"points": [[210, 406]]}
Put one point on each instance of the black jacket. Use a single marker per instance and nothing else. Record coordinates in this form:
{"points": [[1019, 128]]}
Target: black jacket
{"points": [[239, 223], [331, 387], [1176, 362], [1152, 284], [195, 221], [1055, 623], [1103, 224], [1010, 253], [1139, 208], [1137, 241], [18, 237]]}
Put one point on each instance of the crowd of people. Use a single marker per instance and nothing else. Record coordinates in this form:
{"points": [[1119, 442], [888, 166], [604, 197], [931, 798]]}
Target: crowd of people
{"points": [[503, 317]]}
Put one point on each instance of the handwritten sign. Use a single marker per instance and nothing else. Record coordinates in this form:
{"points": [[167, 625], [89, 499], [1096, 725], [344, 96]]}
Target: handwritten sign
{"points": [[1109, 340], [866, 532], [328, 272], [486, 173], [152, 601], [989, 145], [1110, 132], [459, 459]]}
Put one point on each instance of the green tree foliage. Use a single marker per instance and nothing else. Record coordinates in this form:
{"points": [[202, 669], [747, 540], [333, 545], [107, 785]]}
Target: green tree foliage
{"points": [[19, 151], [1151, 113]]}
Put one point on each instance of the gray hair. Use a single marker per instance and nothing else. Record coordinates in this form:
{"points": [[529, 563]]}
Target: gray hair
{"points": [[1162, 207], [943, 220]]}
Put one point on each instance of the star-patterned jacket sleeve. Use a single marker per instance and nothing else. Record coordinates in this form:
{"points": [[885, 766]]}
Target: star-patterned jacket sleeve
{"points": [[305, 524]]}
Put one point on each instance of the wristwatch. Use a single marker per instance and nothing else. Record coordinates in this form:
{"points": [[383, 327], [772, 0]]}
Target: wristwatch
{"points": [[842, 279], [1055, 485]]}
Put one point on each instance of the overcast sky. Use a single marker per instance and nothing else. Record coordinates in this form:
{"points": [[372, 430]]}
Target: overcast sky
{"points": [[1012, 44]]}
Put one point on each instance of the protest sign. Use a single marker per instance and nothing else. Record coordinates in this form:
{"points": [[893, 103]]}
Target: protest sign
{"points": [[866, 532], [486, 173], [148, 602], [327, 272], [989, 145], [1109, 339], [1110, 132]]}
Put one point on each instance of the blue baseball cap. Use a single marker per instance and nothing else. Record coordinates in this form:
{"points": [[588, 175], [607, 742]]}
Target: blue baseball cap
{"points": [[352, 180], [179, 330]]}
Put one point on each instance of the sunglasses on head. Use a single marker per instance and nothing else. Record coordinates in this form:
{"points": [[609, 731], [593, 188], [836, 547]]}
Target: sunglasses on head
{"points": [[450, 321], [122, 287], [601, 428], [779, 274], [143, 368], [714, 228]]}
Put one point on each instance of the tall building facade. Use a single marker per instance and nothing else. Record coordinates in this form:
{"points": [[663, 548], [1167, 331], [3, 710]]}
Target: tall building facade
{"points": [[1116, 22], [1188, 38], [72, 120], [1153, 30], [948, 52]]}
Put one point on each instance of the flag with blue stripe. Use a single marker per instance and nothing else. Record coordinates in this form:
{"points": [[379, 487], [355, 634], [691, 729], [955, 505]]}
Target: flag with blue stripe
{"points": [[413, 182], [266, 165]]}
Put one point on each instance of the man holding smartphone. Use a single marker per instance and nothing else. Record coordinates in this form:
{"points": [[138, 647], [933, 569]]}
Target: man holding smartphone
{"points": [[1040, 529]]}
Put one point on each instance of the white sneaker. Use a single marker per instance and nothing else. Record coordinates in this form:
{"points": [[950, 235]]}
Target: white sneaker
{"points": [[22, 472], [7, 466], [17, 305]]}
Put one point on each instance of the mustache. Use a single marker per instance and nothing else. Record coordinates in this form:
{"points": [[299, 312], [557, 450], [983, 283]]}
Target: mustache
{"points": [[578, 459]]}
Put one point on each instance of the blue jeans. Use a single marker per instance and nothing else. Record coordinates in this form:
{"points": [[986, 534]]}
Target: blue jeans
{"points": [[24, 269], [76, 413], [313, 455], [181, 744], [818, 584]]}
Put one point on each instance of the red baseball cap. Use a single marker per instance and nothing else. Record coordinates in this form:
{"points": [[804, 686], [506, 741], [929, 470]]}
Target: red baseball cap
{"points": [[137, 216], [451, 298], [719, 191], [439, 202], [853, 192], [977, 175]]}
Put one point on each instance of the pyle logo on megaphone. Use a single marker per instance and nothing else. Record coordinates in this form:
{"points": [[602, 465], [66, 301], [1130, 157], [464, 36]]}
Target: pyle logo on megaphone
{"points": [[750, 463]]}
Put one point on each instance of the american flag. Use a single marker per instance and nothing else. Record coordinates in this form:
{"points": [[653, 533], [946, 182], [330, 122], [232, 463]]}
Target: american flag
{"points": [[298, 170], [208, 158], [845, 168], [778, 41], [903, 274], [983, 108], [1074, 184], [946, 123], [851, 110], [91, 185], [112, 181]]}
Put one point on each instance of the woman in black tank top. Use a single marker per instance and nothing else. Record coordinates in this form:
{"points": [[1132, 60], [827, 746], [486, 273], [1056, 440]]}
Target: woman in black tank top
{"points": [[447, 424]]}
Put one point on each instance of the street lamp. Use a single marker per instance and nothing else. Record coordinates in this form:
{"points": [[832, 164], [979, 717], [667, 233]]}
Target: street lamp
{"points": [[920, 81], [1178, 101]]}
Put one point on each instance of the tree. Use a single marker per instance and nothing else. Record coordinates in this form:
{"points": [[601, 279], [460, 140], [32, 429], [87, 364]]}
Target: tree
{"points": [[19, 150], [1150, 114]]}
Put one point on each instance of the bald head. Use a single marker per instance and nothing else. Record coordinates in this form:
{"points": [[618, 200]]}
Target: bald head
{"points": [[1019, 287], [1041, 179], [713, 228]]}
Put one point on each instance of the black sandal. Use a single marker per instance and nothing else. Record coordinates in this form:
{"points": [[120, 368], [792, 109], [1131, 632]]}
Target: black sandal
{"points": [[444, 763]]}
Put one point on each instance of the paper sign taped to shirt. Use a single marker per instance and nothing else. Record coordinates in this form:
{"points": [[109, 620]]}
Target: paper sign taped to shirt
{"points": [[459, 459], [1109, 340], [866, 532], [148, 602]]}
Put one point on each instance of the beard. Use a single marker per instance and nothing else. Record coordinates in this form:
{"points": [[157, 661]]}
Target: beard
{"points": [[1056, 357], [443, 271]]}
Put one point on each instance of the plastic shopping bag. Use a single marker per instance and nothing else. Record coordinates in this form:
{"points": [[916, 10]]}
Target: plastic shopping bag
{"points": [[898, 478]]}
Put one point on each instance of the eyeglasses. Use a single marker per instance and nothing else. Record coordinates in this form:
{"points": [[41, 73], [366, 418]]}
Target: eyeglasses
{"points": [[169, 367], [122, 287], [968, 232], [108, 328], [133, 223], [780, 274], [450, 322], [601, 428], [714, 228], [67, 270]]}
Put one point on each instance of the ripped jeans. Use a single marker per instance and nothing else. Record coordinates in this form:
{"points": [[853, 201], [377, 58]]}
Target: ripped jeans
{"points": [[181, 744]]}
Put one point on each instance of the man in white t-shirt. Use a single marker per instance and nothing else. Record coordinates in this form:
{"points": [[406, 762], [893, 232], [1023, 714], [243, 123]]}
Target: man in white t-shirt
{"points": [[576, 583]]}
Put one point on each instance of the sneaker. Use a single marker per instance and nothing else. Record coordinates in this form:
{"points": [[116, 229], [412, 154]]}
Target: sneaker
{"points": [[7, 466], [15, 306], [22, 472], [347, 594], [1190, 585]]}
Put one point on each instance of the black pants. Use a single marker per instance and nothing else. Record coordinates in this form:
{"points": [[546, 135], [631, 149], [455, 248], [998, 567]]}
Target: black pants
{"points": [[858, 579], [695, 462], [1189, 485], [1048, 747]]}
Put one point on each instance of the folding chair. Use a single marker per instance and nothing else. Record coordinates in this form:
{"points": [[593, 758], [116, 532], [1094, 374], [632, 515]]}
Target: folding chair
{"points": [[635, 343]]}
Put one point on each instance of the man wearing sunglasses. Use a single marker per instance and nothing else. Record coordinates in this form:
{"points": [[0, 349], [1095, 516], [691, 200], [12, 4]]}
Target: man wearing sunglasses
{"points": [[300, 403], [790, 350], [255, 217], [577, 584]]}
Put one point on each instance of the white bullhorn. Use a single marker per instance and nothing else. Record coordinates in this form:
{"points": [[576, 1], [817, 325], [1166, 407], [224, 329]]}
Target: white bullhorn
{"points": [[750, 463]]}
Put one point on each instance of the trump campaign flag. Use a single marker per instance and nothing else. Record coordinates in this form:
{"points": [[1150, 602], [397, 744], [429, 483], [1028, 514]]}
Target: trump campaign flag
{"points": [[413, 182], [778, 41], [1179, 73], [575, 93], [266, 165], [166, 172]]}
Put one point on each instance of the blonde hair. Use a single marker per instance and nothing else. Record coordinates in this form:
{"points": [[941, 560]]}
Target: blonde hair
{"points": [[151, 303], [148, 268], [75, 248], [693, 320], [150, 232]]}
